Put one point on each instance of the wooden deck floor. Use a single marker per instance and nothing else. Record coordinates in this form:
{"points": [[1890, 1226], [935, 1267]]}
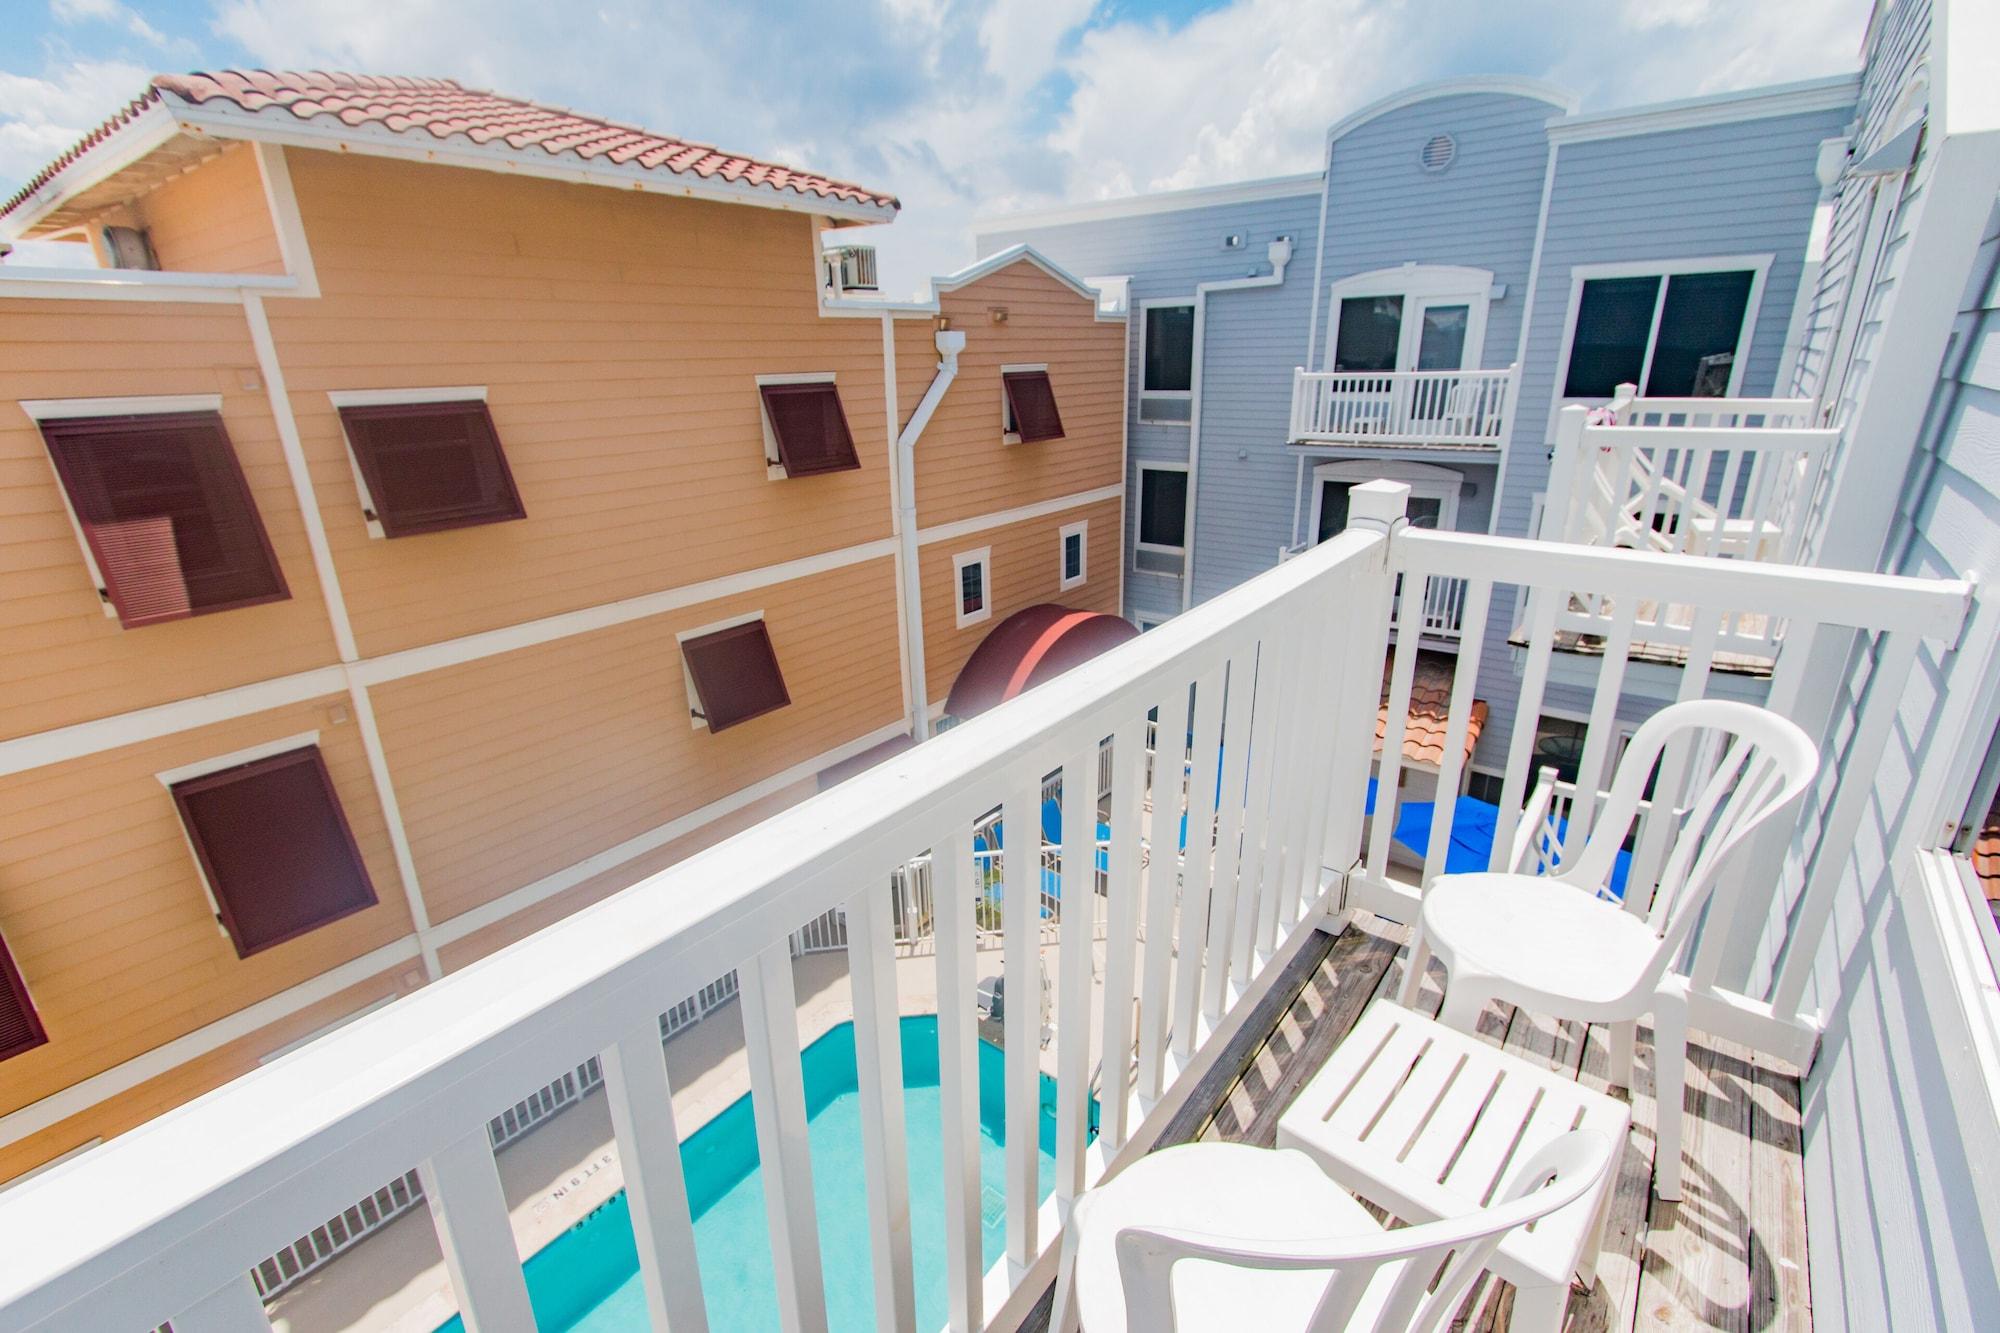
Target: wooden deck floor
{"points": [[1731, 1255]]}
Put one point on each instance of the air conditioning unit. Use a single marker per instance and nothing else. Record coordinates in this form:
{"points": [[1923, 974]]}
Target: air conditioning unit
{"points": [[851, 268]]}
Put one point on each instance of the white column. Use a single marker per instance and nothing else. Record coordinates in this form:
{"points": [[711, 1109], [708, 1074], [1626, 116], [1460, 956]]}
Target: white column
{"points": [[462, 1186], [649, 1148]]}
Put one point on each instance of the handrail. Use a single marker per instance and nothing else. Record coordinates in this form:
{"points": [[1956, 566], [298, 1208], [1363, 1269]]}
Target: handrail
{"points": [[1469, 408]]}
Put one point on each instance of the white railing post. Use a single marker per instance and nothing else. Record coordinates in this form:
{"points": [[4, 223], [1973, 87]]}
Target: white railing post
{"points": [[1121, 935], [462, 1186], [778, 1104], [1021, 1015], [1622, 399], [878, 1059], [953, 890], [1073, 962], [234, 1307], [649, 1147], [1567, 484], [1299, 405]]}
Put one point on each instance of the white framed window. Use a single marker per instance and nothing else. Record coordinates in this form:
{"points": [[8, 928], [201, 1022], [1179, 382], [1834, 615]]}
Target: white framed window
{"points": [[403, 398], [1433, 493], [1072, 555], [1415, 317], [972, 585], [1166, 362], [1159, 530], [730, 671], [1147, 622], [1676, 328], [1010, 429], [814, 436]]}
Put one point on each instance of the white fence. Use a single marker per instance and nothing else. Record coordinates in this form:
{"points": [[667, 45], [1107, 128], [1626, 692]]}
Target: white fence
{"points": [[1266, 700], [1467, 408]]}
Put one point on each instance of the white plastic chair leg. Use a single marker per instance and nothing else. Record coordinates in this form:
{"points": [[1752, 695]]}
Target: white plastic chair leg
{"points": [[1462, 1007], [1539, 1309], [1670, 1086], [1624, 1040], [1414, 968]]}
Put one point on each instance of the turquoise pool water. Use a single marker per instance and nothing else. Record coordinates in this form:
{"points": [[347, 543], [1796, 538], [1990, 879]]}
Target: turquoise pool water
{"points": [[587, 1280]]}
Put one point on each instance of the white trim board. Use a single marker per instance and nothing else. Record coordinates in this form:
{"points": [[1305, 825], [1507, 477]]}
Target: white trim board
{"points": [[1164, 201], [1784, 99], [966, 527], [463, 393], [70, 409], [1489, 84], [201, 768]]}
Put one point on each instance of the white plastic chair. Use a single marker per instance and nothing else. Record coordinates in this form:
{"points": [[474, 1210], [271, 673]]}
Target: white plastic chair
{"points": [[1226, 1236], [1553, 945]]}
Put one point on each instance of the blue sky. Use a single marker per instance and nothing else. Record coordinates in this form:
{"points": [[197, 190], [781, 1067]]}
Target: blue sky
{"points": [[962, 107]]}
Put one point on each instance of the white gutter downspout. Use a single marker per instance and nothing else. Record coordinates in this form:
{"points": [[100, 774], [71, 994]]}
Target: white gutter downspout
{"points": [[1280, 253], [950, 343]]}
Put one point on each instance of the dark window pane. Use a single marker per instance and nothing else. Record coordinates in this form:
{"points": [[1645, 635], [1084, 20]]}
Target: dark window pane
{"points": [[1073, 555], [1441, 346], [20, 1026], [168, 516], [971, 588], [1426, 512], [811, 428], [1700, 322], [736, 674], [432, 466], [1169, 347], [1612, 324], [276, 848], [1333, 508], [1031, 404], [1371, 328], [1558, 745], [1162, 507]]}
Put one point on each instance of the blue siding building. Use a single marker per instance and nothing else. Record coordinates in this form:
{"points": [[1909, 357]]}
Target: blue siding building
{"points": [[1472, 255]]}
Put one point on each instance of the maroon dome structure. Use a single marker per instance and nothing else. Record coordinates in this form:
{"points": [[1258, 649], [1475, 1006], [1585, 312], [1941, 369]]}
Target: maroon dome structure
{"points": [[1028, 648]]}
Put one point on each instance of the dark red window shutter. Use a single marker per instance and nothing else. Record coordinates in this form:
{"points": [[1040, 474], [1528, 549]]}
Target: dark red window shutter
{"points": [[166, 511], [432, 466], [1032, 400], [736, 674], [20, 1026], [811, 428], [275, 846]]}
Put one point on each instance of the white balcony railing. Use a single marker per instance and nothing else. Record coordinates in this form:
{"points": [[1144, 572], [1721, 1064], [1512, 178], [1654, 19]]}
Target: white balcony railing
{"points": [[1730, 477], [1461, 409], [1270, 694]]}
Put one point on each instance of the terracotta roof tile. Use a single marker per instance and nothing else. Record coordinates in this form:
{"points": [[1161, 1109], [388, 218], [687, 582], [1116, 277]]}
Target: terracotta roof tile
{"points": [[439, 109], [1430, 706]]}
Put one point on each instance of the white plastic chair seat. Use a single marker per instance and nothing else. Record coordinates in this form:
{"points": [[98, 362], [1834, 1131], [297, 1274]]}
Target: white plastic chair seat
{"points": [[1224, 1189], [1542, 934]]}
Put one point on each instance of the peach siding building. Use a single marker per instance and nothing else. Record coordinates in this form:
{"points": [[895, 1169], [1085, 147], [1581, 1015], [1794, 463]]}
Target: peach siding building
{"points": [[436, 513]]}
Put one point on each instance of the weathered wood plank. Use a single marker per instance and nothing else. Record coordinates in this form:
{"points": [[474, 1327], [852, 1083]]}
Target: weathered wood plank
{"points": [[1694, 1275], [1780, 1296]]}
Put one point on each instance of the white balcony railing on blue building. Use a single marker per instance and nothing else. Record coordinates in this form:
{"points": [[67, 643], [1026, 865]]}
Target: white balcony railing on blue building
{"points": [[1459, 409], [1271, 693]]}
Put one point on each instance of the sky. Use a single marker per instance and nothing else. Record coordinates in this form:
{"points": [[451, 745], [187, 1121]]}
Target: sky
{"points": [[963, 108]]}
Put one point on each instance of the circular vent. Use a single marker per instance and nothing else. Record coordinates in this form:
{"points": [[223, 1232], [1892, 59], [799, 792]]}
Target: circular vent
{"points": [[1439, 152]]}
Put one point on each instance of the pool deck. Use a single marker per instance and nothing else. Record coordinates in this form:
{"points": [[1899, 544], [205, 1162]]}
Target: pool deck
{"points": [[555, 1176]]}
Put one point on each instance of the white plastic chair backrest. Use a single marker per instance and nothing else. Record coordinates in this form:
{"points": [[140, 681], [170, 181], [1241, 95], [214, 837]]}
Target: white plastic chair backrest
{"points": [[1766, 763], [1561, 1173]]}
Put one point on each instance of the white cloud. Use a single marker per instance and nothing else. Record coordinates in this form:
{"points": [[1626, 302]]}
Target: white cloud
{"points": [[40, 117], [113, 12]]}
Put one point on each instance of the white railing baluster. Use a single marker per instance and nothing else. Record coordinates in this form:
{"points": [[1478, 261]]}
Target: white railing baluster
{"points": [[1389, 766], [1121, 934], [1257, 797], [1649, 854], [649, 1149], [1162, 890], [1458, 720], [778, 1102], [1319, 725], [234, 1307], [878, 1061], [1541, 622], [1293, 678], [1463, 407], [462, 1186], [1198, 861], [1600, 739], [1073, 961], [958, 1078], [1021, 1018], [1229, 830]]}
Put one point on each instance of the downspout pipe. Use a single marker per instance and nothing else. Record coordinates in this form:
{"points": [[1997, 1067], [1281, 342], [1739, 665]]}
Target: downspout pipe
{"points": [[950, 342]]}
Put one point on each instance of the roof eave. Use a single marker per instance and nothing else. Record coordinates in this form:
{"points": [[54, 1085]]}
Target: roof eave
{"points": [[120, 149]]}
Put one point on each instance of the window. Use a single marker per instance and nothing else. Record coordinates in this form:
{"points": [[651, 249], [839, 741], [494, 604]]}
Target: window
{"points": [[1433, 502], [805, 429], [732, 673], [1678, 334], [20, 1026], [1029, 403], [1073, 551], [1369, 333], [1559, 745], [274, 847], [428, 466], [168, 525], [1413, 317], [1163, 507], [972, 585], [1166, 376]]}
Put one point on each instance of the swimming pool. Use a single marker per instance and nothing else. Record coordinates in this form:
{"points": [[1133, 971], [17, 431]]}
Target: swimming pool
{"points": [[587, 1279]]}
